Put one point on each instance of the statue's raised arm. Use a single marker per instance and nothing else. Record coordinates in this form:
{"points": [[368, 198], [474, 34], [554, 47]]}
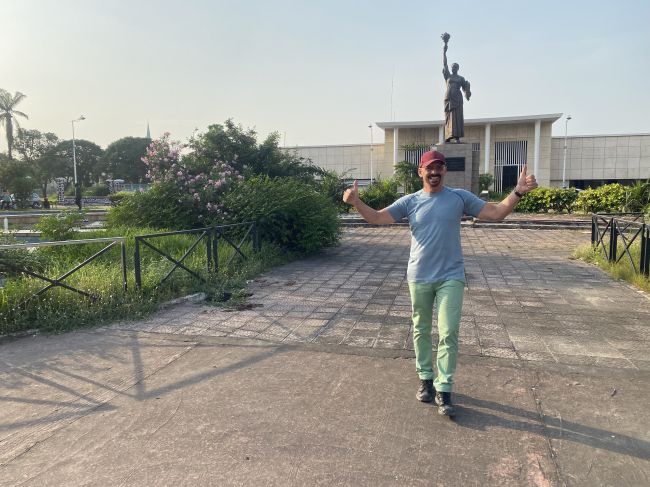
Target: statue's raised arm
{"points": [[445, 68]]}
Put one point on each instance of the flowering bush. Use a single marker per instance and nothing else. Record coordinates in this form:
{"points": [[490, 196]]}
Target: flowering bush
{"points": [[200, 182]]}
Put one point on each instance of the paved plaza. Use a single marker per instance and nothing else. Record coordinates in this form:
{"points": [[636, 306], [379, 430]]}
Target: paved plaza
{"points": [[524, 300], [314, 383]]}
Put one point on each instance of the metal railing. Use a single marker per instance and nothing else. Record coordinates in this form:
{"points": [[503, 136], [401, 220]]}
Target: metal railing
{"points": [[229, 234], [58, 281], [211, 237], [608, 228]]}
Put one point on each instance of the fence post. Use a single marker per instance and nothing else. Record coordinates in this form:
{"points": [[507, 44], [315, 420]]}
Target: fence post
{"points": [[593, 230], [136, 264], [209, 249], [644, 266], [215, 250], [613, 237], [123, 253]]}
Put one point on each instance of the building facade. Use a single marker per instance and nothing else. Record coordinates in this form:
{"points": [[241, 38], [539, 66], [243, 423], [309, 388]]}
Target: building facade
{"points": [[503, 145]]}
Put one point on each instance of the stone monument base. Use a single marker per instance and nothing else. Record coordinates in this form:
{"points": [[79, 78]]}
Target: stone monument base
{"points": [[462, 165]]}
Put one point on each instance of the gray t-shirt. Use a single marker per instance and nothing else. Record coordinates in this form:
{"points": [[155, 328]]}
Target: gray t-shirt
{"points": [[434, 218]]}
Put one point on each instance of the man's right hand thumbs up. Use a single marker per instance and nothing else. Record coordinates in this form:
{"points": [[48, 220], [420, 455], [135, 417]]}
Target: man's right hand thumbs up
{"points": [[351, 195]]}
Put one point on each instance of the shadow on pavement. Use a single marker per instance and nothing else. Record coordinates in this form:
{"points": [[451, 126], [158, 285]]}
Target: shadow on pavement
{"points": [[472, 414]]}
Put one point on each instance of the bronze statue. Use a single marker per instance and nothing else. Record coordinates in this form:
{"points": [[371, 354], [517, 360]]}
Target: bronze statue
{"points": [[454, 120]]}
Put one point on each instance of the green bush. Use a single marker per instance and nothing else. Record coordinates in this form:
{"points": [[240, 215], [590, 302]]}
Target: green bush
{"points": [[637, 197], [485, 181], [290, 212], [534, 201], [543, 200], [333, 186], [60, 226], [97, 190], [609, 198], [406, 174], [115, 198], [380, 194], [560, 200], [160, 207]]}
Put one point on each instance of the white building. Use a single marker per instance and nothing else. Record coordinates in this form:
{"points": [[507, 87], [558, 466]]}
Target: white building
{"points": [[502, 145]]}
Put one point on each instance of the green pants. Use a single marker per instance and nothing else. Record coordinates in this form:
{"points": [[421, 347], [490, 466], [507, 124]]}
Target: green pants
{"points": [[448, 298]]}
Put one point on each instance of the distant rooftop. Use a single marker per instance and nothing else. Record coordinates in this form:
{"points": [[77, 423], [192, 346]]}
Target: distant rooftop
{"points": [[552, 117]]}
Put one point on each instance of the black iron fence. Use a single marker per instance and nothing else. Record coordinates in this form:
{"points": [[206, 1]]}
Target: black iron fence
{"points": [[233, 236], [58, 281], [210, 236], [613, 234]]}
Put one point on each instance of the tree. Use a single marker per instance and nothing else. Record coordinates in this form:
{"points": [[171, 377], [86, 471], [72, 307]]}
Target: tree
{"points": [[17, 177], [34, 144], [88, 156], [38, 150], [8, 115], [123, 159], [237, 146]]}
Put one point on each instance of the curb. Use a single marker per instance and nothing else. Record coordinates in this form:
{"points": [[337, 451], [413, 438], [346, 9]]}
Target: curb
{"points": [[190, 298]]}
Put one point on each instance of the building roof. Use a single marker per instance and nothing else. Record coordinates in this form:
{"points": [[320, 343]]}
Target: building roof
{"points": [[552, 117]]}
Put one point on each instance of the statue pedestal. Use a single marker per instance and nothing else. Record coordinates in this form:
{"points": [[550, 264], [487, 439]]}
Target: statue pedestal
{"points": [[462, 166]]}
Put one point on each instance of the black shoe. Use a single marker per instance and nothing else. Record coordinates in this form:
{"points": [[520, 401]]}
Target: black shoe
{"points": [[426, 390], [443, 401]]}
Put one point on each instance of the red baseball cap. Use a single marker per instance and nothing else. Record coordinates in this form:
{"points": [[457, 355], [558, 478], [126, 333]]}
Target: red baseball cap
{"points": [[432, 156]]}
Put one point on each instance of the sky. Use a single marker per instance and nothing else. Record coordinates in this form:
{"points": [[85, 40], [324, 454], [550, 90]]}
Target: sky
{"points": [[319, 72]]}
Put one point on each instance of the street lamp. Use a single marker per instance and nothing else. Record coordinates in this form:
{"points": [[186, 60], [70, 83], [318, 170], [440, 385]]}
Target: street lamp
{"points": [[566, 129], [371, 151], [77, 190]]}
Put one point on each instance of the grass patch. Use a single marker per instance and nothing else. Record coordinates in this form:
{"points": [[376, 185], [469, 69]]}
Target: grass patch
{"points": [[620, 270], [61, 309]]}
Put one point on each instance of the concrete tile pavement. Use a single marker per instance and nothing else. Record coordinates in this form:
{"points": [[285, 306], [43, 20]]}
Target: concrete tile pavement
{"points": [[524, 300]]}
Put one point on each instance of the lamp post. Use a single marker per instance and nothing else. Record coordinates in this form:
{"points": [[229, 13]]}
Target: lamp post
{"points": [[566, 130], [77, 189], [371, 151]]}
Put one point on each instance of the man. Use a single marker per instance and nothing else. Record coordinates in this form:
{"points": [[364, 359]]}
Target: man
{"points": [[77, 194], [436, 272]]}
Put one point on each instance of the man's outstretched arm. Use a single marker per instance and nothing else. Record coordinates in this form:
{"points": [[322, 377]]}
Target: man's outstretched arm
{"points": [[495, 212], [381, 217]]}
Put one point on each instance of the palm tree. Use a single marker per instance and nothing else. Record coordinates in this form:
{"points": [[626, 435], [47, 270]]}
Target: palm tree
{"points": [[8, 114]]}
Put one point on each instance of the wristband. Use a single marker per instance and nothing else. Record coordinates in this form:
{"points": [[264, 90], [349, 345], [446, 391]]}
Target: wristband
{"points": [[517, 193]]}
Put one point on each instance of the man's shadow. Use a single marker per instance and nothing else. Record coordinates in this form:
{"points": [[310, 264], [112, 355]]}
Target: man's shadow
{"points": [[475, 414]]}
